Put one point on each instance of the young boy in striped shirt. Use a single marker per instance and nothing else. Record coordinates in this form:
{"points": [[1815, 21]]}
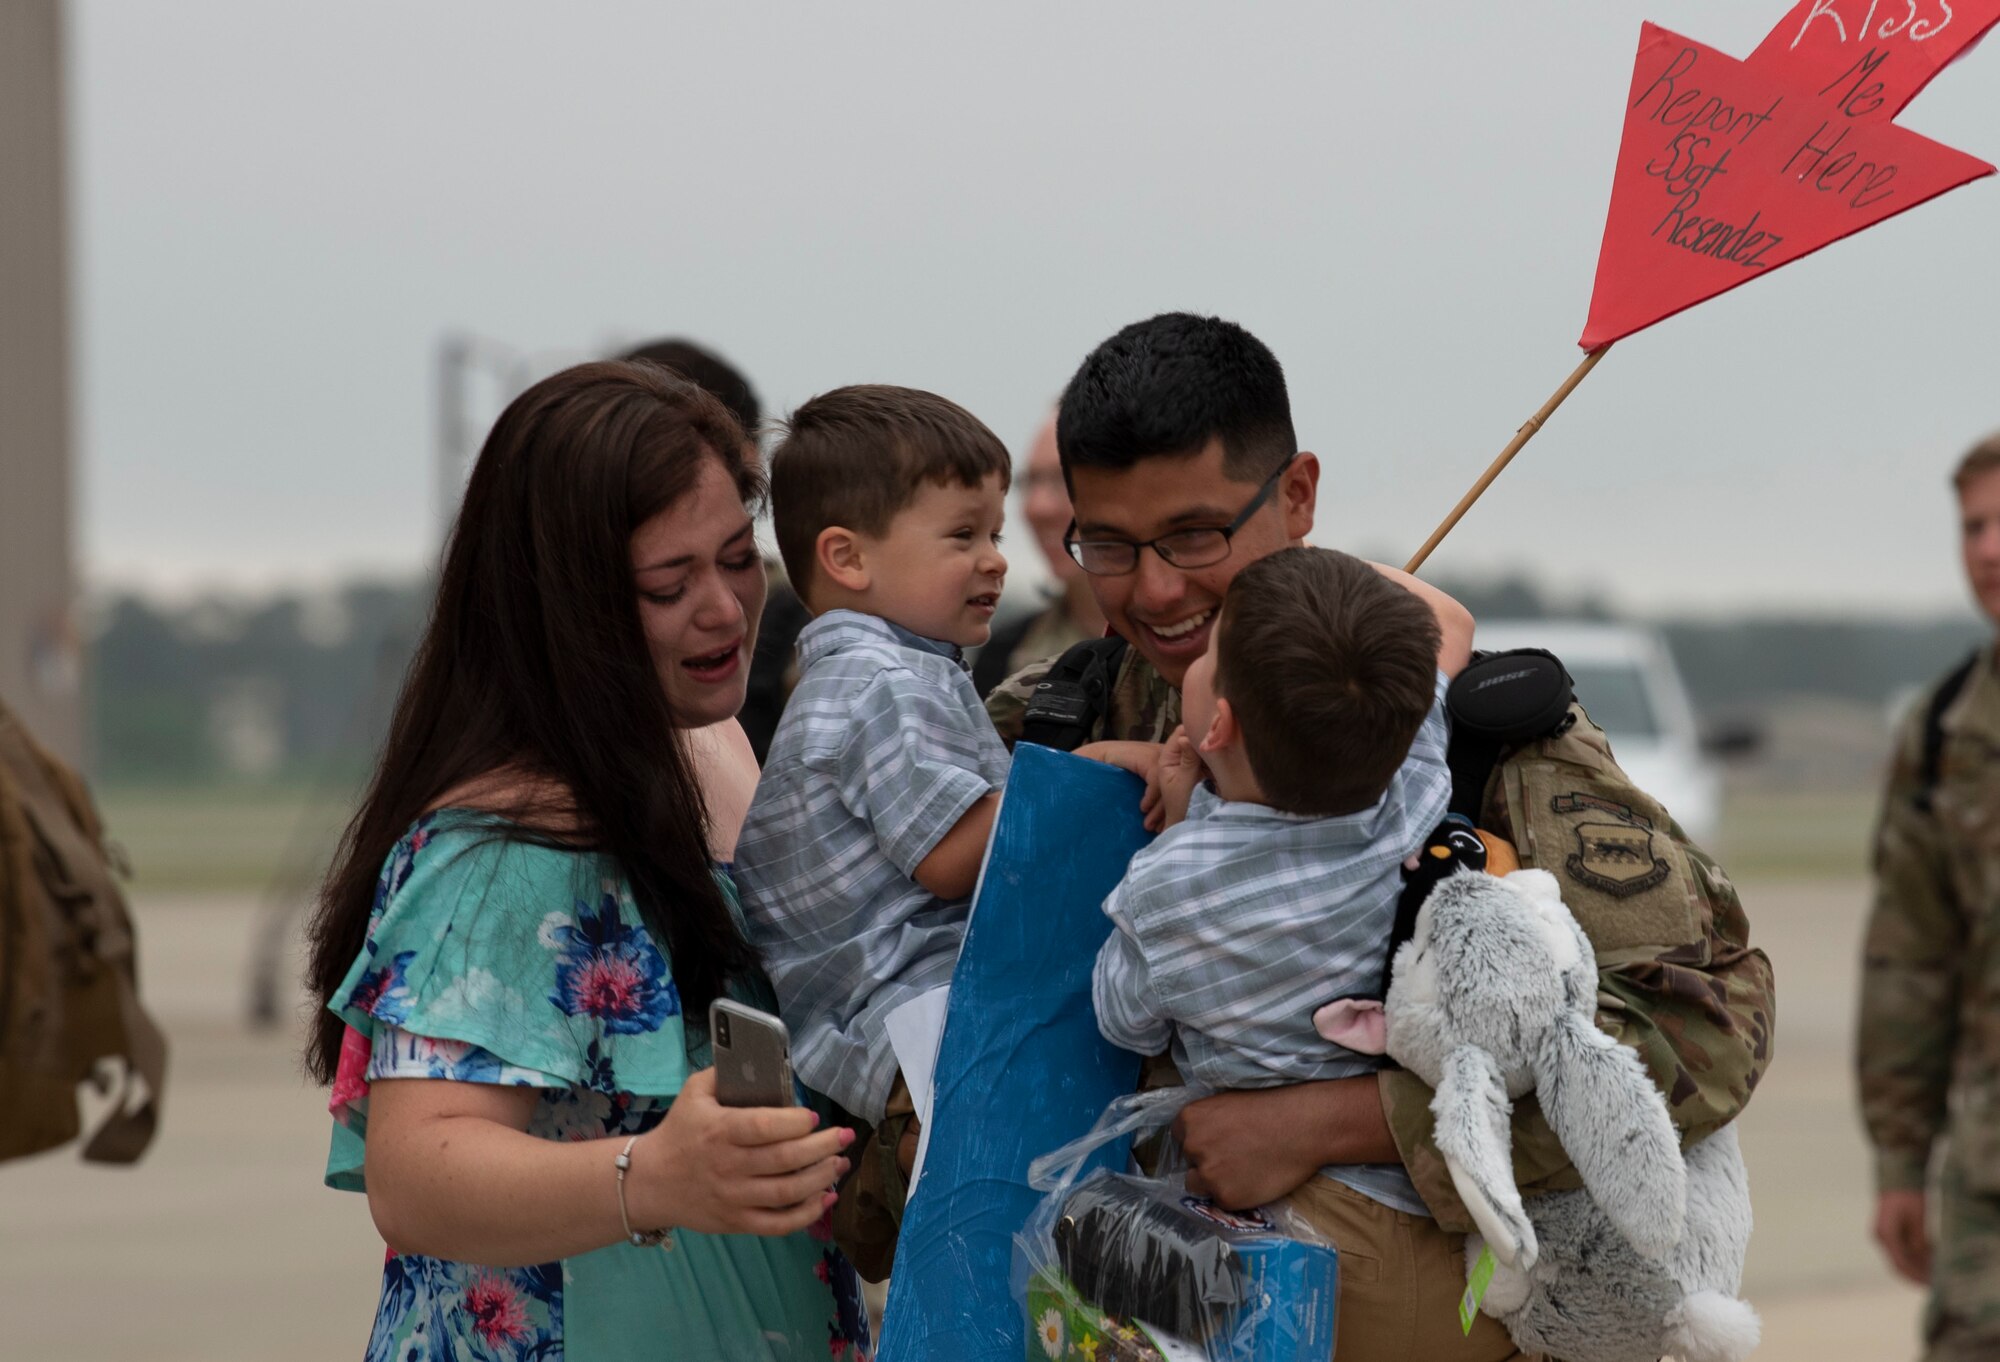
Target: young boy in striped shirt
{"points": [[864, 841], [1317, 715]]}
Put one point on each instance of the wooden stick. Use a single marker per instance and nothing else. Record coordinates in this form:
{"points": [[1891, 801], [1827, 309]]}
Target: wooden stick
{"points": [[1521, 437]]}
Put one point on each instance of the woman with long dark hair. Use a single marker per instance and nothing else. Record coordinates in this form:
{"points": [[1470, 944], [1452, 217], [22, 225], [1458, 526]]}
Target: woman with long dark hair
{"points": [[520, 936]]}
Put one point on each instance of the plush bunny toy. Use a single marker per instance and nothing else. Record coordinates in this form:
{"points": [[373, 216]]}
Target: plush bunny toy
{"points": [[1494, 995]]}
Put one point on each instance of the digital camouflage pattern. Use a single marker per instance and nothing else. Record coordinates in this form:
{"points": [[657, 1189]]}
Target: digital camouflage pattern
{"points": [[1678, 979], [1962, 1319], [868, 1217], [1930, 973], [1929, 1044]]}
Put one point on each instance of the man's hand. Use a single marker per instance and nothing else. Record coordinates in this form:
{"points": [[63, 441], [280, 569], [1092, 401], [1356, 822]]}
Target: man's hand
{"points": [[1901, 1231], [1241, 1152], [1142, 759], [1137, 757], [1251, 1147]]}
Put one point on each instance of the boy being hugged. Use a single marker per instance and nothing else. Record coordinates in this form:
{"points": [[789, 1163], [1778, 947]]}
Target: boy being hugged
{"points": [[864, 841], [1317, 716]]}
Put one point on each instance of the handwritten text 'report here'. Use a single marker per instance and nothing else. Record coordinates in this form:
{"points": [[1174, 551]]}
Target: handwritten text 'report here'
{"points": [[1702, 129]]}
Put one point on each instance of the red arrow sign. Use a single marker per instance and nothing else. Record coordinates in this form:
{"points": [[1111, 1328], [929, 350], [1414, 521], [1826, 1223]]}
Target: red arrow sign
{"points": [[1873, 57], [1729, 169]]}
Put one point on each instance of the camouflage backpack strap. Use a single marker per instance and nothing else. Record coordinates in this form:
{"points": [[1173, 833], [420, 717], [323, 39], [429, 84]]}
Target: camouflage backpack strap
{"points": [[1073, 695], [1930, 762], [71, 991]]}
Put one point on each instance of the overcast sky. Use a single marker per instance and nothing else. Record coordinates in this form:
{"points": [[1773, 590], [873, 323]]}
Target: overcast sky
{"points": [[280, 212]]}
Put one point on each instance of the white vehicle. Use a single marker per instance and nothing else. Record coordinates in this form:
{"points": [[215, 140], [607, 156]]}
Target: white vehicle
{"points": [[1626, 678]]}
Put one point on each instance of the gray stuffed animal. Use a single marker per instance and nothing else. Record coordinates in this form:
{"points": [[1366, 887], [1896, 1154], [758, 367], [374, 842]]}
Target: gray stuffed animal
{"points": [[1495, 995]]}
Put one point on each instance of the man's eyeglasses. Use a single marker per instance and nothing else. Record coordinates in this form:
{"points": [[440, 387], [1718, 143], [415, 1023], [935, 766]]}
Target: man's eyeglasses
{"points": [[1181, 549]]}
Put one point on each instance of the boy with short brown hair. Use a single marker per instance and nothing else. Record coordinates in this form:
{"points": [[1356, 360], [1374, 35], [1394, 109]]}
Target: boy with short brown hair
{"points": [[1330, 668], [862, 845], [1318, 713]]}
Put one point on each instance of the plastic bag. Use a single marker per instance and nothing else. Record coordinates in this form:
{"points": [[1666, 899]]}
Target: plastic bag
{"points": [[1119, 1265]]}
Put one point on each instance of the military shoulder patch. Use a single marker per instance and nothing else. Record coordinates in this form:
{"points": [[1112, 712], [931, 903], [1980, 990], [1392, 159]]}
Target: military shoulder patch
{"points": [[1614, 854], [1623, 875]]}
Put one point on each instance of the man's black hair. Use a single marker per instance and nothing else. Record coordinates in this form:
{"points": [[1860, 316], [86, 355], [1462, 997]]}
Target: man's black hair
{"points": [[708, 371], [1167, 386]]}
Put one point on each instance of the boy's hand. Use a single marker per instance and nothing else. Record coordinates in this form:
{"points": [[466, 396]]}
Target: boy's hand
{"points": [[1455, 622], [1179, 771]]}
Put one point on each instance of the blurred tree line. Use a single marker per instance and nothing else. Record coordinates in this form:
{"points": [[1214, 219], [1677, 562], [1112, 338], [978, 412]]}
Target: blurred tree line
{"points": [[293, 687], [299, 687]]}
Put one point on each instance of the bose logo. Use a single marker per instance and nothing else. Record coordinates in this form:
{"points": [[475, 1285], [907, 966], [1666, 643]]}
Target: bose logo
{"points": [[1504, 677]]}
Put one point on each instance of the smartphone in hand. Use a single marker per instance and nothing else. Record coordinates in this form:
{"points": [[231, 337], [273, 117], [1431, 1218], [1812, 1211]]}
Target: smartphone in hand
{"points": [[753, 1056]]}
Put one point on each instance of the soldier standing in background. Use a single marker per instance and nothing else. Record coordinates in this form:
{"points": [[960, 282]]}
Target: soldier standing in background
{"points": [[1071, 615], [1929, 1047]]}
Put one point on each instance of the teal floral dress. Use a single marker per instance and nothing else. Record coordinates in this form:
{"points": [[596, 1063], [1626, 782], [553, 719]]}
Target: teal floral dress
{"points": [[495, 961]]}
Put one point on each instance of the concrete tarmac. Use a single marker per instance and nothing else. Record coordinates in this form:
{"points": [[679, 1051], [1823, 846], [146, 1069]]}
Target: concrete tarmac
{"points": [[222, 1246]]}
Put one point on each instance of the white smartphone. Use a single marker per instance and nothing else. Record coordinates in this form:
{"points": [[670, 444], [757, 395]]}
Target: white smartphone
{"points": [[753, 1056]]}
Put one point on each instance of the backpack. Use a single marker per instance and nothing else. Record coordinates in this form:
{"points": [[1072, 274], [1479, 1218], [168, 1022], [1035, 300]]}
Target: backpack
{"points": [[1498, 701], [1073, 694], [1930, 764], [69, 995]]}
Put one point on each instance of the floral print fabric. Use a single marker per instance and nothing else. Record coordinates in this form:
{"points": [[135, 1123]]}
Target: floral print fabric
{"points": [[489, 961], [613, 972]]}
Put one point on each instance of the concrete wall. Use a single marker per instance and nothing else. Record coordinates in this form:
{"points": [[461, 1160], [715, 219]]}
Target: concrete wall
{"points": [[40, 654]]}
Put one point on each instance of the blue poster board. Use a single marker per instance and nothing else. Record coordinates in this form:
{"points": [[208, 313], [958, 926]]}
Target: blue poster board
{"points": [[1021, 1068]]}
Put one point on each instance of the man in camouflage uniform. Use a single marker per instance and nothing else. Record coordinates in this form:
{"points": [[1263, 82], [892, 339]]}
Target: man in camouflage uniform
{"points": [[1163, 452], [1929, 1047]]}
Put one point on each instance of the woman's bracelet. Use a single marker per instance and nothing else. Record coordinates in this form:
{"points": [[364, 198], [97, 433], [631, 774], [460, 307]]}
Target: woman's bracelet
{"points": [[639, 1238]]}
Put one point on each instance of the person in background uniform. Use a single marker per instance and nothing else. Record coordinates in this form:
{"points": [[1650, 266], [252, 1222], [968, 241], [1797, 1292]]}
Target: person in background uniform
{"points": [[1071, 615], [1164, 433], [1929, 1045], [773, 668]]}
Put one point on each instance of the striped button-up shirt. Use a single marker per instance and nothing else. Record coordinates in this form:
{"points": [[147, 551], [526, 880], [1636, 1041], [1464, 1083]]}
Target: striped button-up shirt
{"points": [[883, 748], [1236, 924]]}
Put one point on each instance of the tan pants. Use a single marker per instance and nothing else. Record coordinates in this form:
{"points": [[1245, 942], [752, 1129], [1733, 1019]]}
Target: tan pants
{"points": [[1400, 1281]]}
